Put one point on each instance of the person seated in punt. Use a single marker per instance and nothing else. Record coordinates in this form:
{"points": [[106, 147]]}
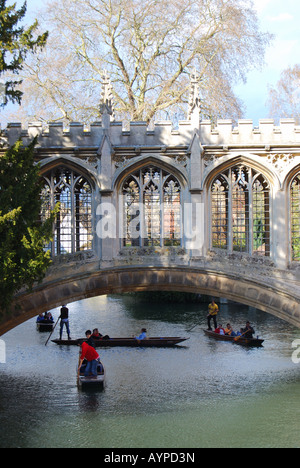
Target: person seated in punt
{"points": [[46, 318], [97, 336], [220, 330], [49, 318], [143, 335], [89, 339], [229, 331], [248, 332]]}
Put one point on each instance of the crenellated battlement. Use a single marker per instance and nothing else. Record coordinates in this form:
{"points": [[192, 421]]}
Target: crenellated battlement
{"points": [[225, 133], [245, 134], [79, 135]]}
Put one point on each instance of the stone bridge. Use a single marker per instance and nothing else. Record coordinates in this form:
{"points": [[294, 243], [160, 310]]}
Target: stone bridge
{"points": [[195, 207], [243, 280]]}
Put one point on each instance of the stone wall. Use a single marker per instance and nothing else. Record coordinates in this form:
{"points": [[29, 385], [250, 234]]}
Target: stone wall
{"points": [[267, 289]]}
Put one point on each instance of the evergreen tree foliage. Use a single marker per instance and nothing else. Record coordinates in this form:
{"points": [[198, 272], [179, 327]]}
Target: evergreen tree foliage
{"points": [[23, 235], [15, 43]]}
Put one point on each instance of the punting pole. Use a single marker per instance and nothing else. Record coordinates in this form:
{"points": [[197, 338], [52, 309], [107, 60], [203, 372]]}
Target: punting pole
{"points": [[52, 331]]}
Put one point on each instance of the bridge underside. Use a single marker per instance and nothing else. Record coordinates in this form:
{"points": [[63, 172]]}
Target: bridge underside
{"points": [[50, 295]]}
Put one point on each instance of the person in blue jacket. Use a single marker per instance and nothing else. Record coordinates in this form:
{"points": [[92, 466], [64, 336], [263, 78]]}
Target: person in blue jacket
{"points": [[143, 335]]}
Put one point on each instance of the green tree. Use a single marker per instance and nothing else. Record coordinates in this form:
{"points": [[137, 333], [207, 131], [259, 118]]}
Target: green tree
{"points": [[23, 236], [15, 43]]}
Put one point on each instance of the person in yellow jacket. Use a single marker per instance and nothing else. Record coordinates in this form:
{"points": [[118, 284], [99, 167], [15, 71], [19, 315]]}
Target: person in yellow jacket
{"points": [[213, 310]]}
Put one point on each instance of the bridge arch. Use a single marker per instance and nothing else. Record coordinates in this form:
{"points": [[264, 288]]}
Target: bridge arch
{"points": [[271, 299]]}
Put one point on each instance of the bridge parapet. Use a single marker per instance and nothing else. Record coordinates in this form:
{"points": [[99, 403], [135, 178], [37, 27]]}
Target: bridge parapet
{"points": [[68, 266], [152, 255]]}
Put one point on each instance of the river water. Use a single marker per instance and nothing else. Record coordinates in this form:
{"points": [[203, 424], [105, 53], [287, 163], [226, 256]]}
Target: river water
{"points": [[200, 394]]}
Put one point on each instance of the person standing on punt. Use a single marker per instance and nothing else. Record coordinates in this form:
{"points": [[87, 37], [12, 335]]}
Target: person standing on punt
{"points": [[92, 357], [213, 310], [64, 321]]}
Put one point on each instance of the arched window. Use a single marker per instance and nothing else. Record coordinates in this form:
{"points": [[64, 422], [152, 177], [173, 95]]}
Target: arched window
{"points": [[240, 211], [295, 217], [73, 227], [152, 208]]}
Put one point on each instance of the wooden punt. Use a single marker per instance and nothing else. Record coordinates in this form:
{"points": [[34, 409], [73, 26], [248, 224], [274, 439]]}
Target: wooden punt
{"points": [[45, 326], [92, 383], [124, 342], [241, 340]]}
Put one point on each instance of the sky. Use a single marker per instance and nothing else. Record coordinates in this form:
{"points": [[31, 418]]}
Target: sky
{"points": [[279, 17]]}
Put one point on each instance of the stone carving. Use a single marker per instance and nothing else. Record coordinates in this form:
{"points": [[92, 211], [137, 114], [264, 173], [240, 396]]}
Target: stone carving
{"points": [[281, 161], [194, 99], [91, 161], [106, 103], [209, 159], [120, 160], [181, 160]]}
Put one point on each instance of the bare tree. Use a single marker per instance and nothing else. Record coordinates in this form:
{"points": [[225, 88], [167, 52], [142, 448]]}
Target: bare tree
{"points": [[149, 49], [284, 100]]}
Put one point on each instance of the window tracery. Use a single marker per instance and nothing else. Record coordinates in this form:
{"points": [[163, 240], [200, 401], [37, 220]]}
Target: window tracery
{"points": [[73, 226], [240, 211], [152, 208]]}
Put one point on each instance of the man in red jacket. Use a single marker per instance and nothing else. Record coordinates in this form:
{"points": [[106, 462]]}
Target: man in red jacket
{"points": [[90, 354]]}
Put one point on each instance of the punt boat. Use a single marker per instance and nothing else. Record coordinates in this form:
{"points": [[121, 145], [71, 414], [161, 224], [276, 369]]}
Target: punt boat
{"points": [[235, 339], [91, 382], [45, 326], [124, 342]]}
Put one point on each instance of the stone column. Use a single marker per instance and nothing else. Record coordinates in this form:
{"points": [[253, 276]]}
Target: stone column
{"points": [[106, 216], [194, 226], [280, 231]]}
